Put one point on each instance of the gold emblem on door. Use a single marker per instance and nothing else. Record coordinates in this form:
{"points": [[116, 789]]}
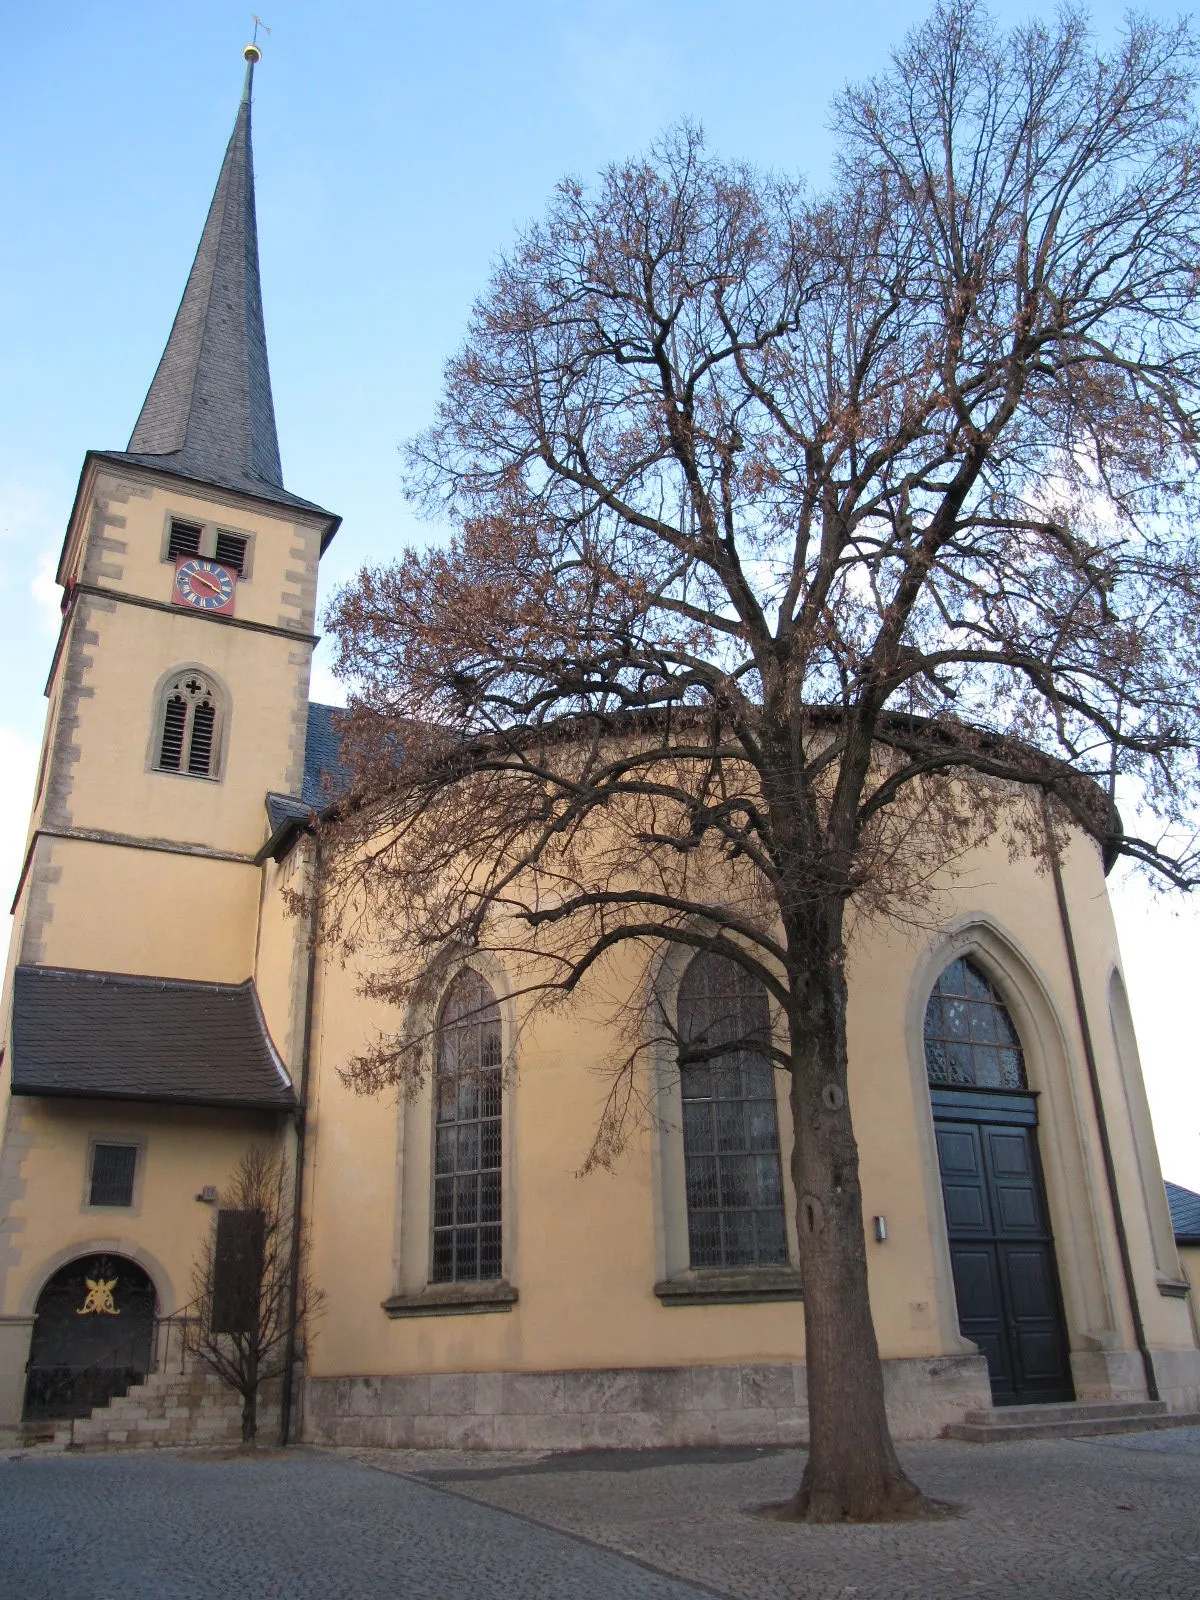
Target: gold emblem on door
{"points": [[99, 1301]]}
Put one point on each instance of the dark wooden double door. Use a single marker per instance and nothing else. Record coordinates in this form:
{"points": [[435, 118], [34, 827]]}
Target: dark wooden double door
{"points": [[1001, 1248]]}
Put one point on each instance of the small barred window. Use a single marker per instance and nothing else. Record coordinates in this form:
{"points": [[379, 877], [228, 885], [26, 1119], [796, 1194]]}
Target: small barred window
{"points": [[188, 727], [466, 1167], [113, 1168], [970, 1041]]}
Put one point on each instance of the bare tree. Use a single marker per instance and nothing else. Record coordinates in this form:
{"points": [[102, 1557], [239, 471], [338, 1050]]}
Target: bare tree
{"points": [[250, 1286], [803, 541]]}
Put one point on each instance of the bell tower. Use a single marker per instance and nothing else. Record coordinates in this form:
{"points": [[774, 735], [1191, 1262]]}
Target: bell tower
{"points": [[179, 688]]}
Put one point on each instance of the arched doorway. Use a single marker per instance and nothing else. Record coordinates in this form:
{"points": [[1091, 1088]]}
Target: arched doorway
{"points": [[1001, 1248], [93, 1337]]}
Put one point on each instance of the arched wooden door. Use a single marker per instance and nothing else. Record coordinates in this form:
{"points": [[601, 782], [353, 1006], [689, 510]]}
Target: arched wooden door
{"points": [[93, 1337], [1001, 1247]]}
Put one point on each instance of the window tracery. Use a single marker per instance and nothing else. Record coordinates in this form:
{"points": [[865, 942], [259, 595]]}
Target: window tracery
{"points": [[188, 727], [970, 1040]]}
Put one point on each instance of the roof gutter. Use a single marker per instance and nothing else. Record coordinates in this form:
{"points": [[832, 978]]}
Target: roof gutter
{"points": [[300, 1117]]}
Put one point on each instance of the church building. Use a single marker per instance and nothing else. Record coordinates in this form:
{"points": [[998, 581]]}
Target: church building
{"points": [[165, 1009]]}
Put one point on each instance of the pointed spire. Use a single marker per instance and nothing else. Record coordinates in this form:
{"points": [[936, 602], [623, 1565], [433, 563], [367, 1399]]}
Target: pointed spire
{"points": [[209, 414]]}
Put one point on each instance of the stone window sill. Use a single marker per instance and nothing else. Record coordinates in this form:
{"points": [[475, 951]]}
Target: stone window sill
{"points": [[730, 1286], [453, 1299], [1174, 1288]]}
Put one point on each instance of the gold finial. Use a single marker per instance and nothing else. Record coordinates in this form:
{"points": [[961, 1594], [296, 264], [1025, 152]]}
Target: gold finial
{"points": [[252, 55]]}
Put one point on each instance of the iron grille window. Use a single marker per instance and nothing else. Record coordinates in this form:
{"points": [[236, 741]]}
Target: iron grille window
{"points": [[466, 1167], [969, 1036], [113, 1167], [730, 1123], [183, 540], [230, 551], [188, 728]]}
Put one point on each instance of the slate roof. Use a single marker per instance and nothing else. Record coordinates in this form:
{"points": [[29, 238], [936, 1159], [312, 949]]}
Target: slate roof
{"points": [[325, 778], [209, 415], [285, 808], [1185, 1214], [110, 1036]]}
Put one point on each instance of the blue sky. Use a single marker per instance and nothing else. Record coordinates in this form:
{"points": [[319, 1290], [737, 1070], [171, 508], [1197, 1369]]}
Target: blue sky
{"points": [[397, 150]]}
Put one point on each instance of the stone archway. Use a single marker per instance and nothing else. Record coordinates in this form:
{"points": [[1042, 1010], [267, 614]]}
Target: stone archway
{"points": [[93, 1336]]}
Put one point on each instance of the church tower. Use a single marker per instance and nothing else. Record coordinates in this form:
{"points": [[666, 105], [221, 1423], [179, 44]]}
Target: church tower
{"points": [[178, 692], [139, 1058]]}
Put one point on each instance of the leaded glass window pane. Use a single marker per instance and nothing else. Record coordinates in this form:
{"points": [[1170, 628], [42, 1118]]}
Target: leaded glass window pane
{"points": [[467, 1143], [970, 1041], [730, 1125]]}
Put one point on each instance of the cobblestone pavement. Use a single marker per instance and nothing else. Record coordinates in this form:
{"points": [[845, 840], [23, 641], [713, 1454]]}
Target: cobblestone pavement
{"points": [[169, 1527], [1046, 1520], [1060, 1520]]}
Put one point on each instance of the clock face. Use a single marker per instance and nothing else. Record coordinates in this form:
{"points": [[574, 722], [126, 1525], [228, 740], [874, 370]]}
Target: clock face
{"points": [[203, 585]]}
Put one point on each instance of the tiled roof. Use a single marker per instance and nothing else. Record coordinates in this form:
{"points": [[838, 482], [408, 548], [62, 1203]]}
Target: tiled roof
{"points": [[283, 808], [325, 778], [110, 1036], [209, 414], [1185, 1213]]}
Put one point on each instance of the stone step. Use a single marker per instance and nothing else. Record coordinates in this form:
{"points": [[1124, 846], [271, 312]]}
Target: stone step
{"points": [[1067, 1411], [1080, 1428]]}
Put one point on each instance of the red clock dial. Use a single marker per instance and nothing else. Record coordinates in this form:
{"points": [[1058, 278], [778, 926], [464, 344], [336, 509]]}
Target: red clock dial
{"points": [[203, 585]]}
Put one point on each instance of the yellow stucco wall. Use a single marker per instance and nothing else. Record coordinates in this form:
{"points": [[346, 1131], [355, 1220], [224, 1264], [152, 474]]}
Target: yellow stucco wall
{"points": [[1189, 1265], [183, 1149], [586, 1252], [281, 954], [114, 909]]}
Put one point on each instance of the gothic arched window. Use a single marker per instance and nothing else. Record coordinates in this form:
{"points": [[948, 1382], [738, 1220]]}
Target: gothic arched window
{"points": [[188, 727], [466, 1162], [970, 1041], [730, 1123]]}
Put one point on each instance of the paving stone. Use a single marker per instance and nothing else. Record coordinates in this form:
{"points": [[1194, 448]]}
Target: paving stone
{"points": [[294, 1526], [1092, 1519]]}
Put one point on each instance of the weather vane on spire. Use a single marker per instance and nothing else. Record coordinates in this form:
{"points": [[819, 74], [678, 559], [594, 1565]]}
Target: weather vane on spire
{"points": [[252, 52]]}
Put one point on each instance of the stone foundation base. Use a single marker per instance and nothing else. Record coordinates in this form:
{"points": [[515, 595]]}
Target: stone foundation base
{"points": [[1178, 1375], [619, 1408], [1101, 1375]]}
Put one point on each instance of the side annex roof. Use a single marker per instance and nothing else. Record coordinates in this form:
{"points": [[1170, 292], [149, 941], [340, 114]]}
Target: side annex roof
{"points": [[112, 1036]]}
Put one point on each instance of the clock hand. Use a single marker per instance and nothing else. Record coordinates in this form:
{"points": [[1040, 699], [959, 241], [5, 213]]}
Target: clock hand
{"points": [[209, 583]]}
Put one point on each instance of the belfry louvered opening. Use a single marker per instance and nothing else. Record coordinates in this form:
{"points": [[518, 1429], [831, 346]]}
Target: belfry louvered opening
{"points": [[189, 727], [183, 540], [229, 550]]}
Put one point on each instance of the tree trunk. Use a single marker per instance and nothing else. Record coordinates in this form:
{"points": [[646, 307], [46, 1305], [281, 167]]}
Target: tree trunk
{"points": [[250, 1415], [852, 1473]]}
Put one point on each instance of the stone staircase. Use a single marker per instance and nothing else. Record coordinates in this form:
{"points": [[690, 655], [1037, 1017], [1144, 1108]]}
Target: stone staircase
{"points": [[170, 1409], [1072, 1420]]}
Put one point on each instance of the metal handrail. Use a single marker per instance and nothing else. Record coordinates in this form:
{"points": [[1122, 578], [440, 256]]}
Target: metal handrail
{"points": [[161, 1359]]}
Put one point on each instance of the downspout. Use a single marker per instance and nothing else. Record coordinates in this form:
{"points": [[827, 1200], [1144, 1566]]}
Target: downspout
{"points": [[1089, 1055], [286, 1401]]}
